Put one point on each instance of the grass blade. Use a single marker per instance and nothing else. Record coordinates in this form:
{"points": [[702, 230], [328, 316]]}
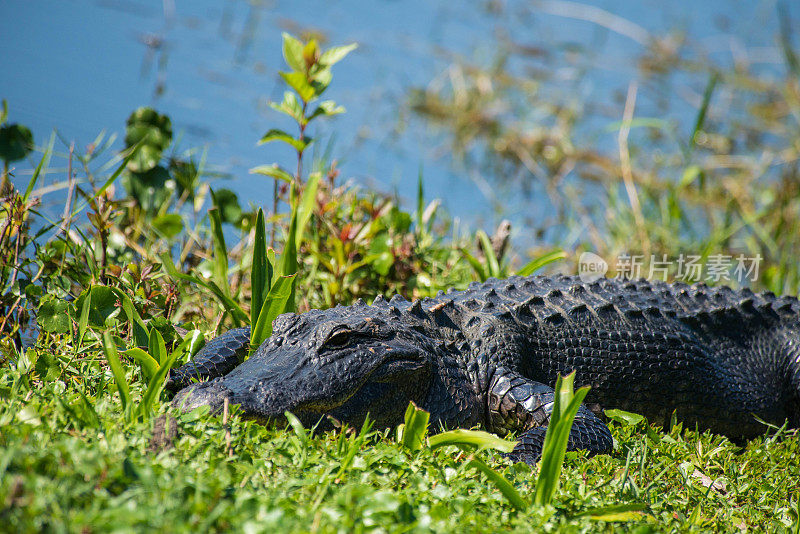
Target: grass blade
{"points": [[541, 261], [306, 206], [555, 442], [147, 363], [502, 483], [83, 320], [415, 428], [703, 111], [43, 164], [156, 345], [116, 369], [488, 252], [258, 271], [471, 438], [276, 303], [289, 257], [476, 265], [220, 260], [155, 385]]}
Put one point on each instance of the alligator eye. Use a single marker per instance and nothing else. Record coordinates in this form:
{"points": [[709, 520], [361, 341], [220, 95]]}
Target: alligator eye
{"points": [[339, 338]]}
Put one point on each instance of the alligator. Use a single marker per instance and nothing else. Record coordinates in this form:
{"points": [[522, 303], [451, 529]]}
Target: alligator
{"points": [[716, 358]]}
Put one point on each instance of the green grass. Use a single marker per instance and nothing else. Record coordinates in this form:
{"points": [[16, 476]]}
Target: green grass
{"points": [[64, 466]]}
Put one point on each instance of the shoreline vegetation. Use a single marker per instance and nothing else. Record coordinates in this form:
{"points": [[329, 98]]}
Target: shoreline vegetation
{"points": [[147, 261]]}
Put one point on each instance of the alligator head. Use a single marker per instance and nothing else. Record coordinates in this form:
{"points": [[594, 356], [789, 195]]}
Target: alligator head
{"points": [[343, 362]]}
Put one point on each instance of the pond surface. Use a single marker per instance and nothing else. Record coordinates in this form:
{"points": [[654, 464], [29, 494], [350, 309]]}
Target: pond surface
{"points": [[82, 66]]}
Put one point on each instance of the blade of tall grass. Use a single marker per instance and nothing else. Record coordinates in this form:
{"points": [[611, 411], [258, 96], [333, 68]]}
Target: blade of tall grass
{"points": [[471, 438], [541, 261], [502, 483], [288, 262], [156, 383], [276, 303], [156, 345], [43, 164], [116, 370], [554, 449], [785, 21], [220, 259], [702, 113], [493, 266], [147, 363], [306, 206], [258, 270], [83, 320], [475, 264]]}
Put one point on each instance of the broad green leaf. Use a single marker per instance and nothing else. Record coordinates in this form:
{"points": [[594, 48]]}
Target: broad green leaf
{"points": [[228, 203], [290, 106], [16, 142], [274, 171], [624, 417], [280, 135], [336, 54], [541, 261], [147, 363], [328, 107], [471, 438], [116, 369], [275, 303], [293, 52], [321, 79], [415, 428], [310, 53], [158, 349], [299, 82], [54, 315], [169, 225], [153, 132], [155, 386], [102, 304]]}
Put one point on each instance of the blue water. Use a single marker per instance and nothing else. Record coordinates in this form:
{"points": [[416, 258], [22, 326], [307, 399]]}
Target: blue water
{"points": [[82, 66]]}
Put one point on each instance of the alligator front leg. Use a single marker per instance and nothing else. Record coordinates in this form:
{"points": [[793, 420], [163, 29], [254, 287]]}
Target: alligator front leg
{"points": [[219, 357], [516, 403]]}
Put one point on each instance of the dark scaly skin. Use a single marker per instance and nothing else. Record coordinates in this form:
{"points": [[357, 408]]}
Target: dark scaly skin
{"points": [[489, 355]]}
